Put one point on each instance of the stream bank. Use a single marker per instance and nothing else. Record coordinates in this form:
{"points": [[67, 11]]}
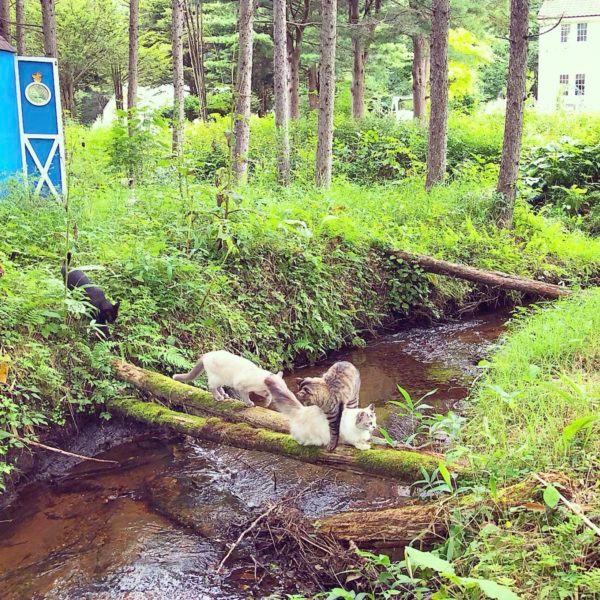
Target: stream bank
{"points": [[156, 525]]}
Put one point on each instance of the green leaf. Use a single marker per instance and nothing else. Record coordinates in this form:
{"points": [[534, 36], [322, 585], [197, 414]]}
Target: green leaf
{"points": [[426, 560], [551, 496], [490, 588], [445, 474], [574, 427]]}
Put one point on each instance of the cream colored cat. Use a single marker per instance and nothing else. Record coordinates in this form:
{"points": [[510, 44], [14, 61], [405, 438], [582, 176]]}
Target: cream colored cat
{"points": [[224, 369]]}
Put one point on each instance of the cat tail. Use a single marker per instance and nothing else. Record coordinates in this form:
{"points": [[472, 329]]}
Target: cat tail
{"points": [[335, 421], [65, 265], [193, 374], [285, 401]]}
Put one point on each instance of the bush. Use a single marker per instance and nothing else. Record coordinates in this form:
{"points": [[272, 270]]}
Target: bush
{"points": [[566, 175]]}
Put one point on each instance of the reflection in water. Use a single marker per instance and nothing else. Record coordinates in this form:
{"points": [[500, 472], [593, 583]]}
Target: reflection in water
{"points": [[155, 525]]}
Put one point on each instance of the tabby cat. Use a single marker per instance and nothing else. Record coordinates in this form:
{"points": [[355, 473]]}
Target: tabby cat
{"points": [[336, 390]]}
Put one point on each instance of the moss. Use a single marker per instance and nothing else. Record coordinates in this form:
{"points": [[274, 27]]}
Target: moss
{"points": [[171, 390], [395, 463]]}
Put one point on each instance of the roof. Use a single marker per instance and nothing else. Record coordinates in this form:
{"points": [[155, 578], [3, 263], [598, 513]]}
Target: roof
{"points": [[4, 45], [569, 9]]}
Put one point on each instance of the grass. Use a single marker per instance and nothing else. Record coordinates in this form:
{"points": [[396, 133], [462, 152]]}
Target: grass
{"points": [[542, 380]]}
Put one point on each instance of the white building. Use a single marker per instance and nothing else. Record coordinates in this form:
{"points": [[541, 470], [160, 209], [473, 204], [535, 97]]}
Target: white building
{"points": [[569, 59]]}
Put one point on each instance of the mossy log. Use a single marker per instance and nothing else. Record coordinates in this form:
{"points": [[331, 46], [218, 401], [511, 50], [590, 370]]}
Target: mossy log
{"points": [[401, 465], [425, 521], [492, 278], [196, 401]]}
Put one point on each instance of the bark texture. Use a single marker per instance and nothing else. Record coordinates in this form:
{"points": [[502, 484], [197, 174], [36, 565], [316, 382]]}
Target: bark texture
{"points": [[491, 278], [19, 29], [5, 20], [177, 40], [49, 28], [132, 80], [280, 69], [313, 87], [358, 62], [243, 89], [327, 94], [438, 118], [515, 102], [420, 74], [394, 464]]}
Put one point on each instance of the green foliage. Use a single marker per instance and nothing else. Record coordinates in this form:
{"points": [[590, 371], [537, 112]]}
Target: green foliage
{"points": [[537, 404], [566, 175]]}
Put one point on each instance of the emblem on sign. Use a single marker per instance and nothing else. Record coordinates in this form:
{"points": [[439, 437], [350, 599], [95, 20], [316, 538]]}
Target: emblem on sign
{"points": [[38, 93]]}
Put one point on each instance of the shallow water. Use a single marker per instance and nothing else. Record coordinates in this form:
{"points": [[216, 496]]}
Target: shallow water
{"points": [[156, 524]]}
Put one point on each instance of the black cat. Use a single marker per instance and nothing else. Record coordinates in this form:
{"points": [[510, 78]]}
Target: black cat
{"points": [[105, 312]]}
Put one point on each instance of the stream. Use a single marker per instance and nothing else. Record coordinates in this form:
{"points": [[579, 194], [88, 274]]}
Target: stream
{"points": [[156, 524]]}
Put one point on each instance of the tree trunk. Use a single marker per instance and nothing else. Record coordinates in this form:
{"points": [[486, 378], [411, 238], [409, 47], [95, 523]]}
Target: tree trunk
{"points": [[420, 74], [280, 70], [492, 278], [358, 65], [243, 90], [515, 102], [117, 81], [327, 94], [194, 27], [49, 28], [438, 118], [132, 80], [67, 88], [294, 82], [313, 87], [402, 465], [19, 28], [178, 106], [5, 20]]}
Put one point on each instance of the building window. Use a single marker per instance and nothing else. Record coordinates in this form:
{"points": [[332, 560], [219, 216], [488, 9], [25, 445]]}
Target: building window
{"points": [[582, 32], [564, 84], [565, 28], [580, 84]]}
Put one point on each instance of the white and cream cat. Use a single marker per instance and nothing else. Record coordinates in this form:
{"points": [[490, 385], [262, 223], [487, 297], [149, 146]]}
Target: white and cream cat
{"points": [[224, 369], [309, 425]]}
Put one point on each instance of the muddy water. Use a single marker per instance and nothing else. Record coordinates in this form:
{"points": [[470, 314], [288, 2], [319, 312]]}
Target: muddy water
{"points": [[155, 524]]}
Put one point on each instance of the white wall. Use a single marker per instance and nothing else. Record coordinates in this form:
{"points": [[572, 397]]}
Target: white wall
{"points": [[569, 58]]}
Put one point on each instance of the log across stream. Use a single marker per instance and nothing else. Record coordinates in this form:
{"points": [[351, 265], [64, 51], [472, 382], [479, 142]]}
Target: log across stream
{"points": [[158, 522]]}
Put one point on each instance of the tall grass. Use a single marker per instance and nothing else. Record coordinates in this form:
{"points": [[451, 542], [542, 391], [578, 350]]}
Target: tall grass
{"points": [[542, 382]]}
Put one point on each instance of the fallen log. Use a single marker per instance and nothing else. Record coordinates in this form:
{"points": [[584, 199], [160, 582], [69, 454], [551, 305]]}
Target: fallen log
{"points": [[425, 521], [492, 278], [403, 465], [196, 401]]}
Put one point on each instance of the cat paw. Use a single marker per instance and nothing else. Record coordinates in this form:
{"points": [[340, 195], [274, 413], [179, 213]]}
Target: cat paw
{"points": [[331, 447], [362, 446], [249, 403]]}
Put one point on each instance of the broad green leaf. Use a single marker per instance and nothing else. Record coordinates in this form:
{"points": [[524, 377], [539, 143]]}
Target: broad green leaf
{"points": [[551, 496], [490, 588], [426, 560]]}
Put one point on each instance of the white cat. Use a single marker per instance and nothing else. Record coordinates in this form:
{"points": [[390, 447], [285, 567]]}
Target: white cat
{"points": [[225, 369], [357, 426], [309, 425]]}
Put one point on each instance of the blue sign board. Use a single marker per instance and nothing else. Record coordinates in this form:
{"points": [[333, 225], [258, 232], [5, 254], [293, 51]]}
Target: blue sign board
{"points": [[31, 136]]}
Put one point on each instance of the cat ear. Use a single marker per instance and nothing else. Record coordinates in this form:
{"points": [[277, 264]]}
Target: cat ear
{"points": [[279, 373], [361, 417], [116, 308], [371, 408]]}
